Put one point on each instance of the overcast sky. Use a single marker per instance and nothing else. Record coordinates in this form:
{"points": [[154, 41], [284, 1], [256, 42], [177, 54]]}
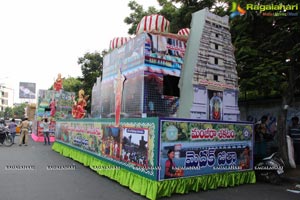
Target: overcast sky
{"points": [[41, 38]]}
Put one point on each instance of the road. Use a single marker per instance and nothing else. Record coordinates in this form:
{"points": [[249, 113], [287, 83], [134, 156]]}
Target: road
{"points": [[27, 173]]}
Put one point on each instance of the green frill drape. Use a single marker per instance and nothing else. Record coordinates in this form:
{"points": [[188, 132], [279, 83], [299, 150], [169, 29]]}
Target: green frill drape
{"points": [[150, 188]]}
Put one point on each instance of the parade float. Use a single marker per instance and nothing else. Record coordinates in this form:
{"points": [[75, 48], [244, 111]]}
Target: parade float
{"points": [[161, 93], [52, 104]]}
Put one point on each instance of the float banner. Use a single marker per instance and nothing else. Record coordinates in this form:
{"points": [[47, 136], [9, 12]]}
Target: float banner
{"points": [[130, 146], [205, 147], [135, 146], [54, 104]]}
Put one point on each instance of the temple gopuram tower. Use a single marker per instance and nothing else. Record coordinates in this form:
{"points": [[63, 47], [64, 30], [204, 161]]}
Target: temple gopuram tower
{"points": [[210, 63]]}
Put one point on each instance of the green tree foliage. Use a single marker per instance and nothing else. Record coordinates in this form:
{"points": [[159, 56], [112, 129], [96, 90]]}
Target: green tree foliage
{"points": [[15, 112], [72, 84], [8, 113], [91, 67], [266, 53], [268, 59], [19, 110]]}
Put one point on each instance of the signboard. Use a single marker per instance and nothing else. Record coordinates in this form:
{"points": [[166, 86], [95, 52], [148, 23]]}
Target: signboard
{"points": [[27, 90], [204, 147]]}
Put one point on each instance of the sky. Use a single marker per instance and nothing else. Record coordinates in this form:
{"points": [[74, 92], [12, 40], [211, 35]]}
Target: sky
{"points": [[41, 38]]}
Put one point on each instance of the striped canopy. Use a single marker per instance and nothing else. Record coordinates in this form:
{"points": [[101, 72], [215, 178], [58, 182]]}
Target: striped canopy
{"points": [[184, 31], [153, 22], [118, 42]]}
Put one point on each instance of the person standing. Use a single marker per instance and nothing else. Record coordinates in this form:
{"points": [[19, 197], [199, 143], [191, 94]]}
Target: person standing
{"points": [[24, 131], [12, 128], [46, 125], [261, 133], [294, 132]]}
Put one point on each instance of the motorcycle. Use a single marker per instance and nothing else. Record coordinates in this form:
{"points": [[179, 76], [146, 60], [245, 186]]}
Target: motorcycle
{"points": [[270, 169], [5, 136]]}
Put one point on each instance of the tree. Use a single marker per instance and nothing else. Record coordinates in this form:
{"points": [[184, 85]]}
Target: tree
{"points": [[267, 55], [91, 67], [19, 110], [8, 113], [287, 40], [72, 84]]}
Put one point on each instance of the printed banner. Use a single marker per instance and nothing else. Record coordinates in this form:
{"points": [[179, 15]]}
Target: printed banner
{"points": [[134, 146], [131, 145], [57, 105], [164, 51], [191, 148]]}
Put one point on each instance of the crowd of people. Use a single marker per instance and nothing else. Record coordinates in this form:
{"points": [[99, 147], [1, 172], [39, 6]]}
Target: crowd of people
{"points": [[25, 127]]}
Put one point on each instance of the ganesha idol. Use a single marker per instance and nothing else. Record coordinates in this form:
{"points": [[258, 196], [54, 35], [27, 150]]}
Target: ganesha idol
{"points": [[78, 109]]}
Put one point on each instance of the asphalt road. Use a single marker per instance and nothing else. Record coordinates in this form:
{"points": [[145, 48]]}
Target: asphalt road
{"points": [[27, 173]]}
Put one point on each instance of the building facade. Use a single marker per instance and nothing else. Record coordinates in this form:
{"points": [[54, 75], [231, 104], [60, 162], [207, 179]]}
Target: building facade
{"points": [[6, 97]]}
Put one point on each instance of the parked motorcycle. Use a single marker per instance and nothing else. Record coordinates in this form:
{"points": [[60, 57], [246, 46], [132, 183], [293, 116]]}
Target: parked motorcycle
{"points": [[5, 136], [270, 169]]}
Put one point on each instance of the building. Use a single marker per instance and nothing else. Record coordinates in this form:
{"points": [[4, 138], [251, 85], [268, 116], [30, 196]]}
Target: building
{"points": [[6, 97]]}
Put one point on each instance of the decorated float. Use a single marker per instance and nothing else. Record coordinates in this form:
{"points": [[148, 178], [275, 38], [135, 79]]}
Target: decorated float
{"points": [[52, 104], [167, 118]]}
